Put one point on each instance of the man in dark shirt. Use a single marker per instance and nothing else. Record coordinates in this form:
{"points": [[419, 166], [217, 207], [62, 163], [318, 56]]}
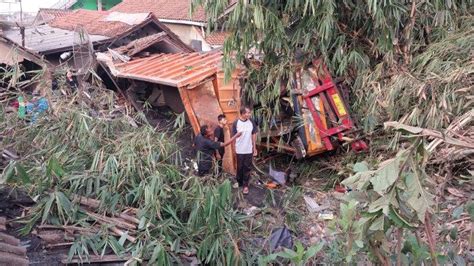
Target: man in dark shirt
{"points": [[219, 136], [206, 149]]}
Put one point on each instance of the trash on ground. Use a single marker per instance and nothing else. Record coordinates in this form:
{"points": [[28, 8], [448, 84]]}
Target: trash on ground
{"points": [[281, 237], [278, 176], [326, 216], [252, 211]]}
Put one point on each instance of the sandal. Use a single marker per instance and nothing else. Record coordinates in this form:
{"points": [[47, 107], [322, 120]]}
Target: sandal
{"points": [[245, 190]]}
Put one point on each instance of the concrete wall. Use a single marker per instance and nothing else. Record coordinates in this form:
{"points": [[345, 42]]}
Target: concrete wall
{"points": [[188, 33]]}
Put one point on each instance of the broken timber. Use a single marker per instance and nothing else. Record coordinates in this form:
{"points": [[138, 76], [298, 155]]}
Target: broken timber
{"points": [[11, 253]]}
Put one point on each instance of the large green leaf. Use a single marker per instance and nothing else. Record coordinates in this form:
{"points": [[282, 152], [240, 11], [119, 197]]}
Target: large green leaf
{"points": [[383, 203], [388, 172], [396, 218], [419, 199], [312, 251]]}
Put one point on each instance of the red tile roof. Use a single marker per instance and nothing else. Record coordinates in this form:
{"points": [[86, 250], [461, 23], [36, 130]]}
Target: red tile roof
{"points": [[92, 21], [48, 14], [165, 9], [217, 38], [178, 70]]}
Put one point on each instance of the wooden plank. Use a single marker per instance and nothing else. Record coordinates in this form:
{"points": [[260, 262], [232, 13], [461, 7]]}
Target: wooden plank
{"points": [[189, 109], [96, 259], [4, 247], [12, 259], [9, 239]]}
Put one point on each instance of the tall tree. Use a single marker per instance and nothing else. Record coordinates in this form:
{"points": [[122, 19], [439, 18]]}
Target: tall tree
{"points": [[349, 35]]}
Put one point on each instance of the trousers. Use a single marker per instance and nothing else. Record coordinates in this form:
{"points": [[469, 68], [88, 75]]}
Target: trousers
{"points": [[244, 165]]}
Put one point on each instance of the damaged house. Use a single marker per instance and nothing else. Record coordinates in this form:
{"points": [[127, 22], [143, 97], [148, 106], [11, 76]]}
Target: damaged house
{"points": [[102, 29], [18, 64], [185, 82]]}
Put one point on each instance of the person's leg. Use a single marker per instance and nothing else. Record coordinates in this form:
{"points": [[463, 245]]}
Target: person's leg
{"points": [[240, 172], [247, 168], [219, 165]]}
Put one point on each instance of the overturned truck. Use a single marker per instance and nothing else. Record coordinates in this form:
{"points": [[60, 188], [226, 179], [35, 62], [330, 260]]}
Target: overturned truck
{"points": [[314, 117], [194, 83]]}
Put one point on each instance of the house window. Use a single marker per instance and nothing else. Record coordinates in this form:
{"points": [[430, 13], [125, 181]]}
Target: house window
{"points": [[196, 45]]}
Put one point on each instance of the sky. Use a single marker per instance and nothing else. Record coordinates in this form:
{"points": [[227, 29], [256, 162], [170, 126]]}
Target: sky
{"points": [[29, 6]]}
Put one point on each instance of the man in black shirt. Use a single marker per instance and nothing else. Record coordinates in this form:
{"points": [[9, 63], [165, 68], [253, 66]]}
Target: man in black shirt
{"points": [[206, 149], [219, 136]]}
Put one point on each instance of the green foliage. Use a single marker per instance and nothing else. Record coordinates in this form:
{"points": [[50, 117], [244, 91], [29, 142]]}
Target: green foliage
{"points": [[429, 92], [72, 153], [349, 35], [302, 256], [396, 196]]}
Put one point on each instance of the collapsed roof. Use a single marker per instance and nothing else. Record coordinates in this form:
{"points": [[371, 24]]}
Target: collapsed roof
{"points": [[11, 53], [176, 70], [103, 27]]}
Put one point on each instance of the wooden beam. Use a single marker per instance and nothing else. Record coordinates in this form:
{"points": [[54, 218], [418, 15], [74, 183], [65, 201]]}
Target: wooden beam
{"points": [[189, 109]]}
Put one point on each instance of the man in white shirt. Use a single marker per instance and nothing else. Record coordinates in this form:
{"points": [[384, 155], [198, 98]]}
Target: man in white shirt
{"points": [[245, 147]]}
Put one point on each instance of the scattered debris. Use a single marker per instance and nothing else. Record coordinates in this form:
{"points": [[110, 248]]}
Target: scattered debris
{"points": [[326, 216], [11, 251], [281, 237], [278, 176], [252, 211], [313, 206]]}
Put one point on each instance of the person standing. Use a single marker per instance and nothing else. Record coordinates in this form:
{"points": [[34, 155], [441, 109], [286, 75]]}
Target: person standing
{"points": [[206, 148], [245, 146], [219, 137]]}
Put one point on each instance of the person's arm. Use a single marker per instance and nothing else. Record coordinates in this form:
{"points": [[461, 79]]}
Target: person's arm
{"points": [[231, 140], [216, 139], [254, 137], [233, 131]]}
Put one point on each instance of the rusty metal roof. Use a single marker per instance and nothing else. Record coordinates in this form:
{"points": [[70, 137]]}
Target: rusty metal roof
{"points": [[177, 70]]}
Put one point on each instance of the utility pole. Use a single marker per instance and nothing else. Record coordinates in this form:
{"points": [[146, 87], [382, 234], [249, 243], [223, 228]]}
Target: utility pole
{"points": [[99, 5], [21, 13]]}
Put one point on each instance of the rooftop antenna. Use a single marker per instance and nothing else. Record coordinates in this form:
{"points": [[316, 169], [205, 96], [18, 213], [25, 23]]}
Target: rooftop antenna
{"points": [[83, 50]]}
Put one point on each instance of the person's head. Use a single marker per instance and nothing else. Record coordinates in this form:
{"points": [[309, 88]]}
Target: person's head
{"points": [[69, 74], [245, 112], [222, 120], [205, 130]]}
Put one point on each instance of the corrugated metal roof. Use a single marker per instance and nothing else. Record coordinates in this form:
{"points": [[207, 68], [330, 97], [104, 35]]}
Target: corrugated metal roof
{"points": [[45, 39], [177, 70]]}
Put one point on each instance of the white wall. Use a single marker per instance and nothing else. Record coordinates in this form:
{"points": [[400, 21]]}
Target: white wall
{"points": [[187, 33]]}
